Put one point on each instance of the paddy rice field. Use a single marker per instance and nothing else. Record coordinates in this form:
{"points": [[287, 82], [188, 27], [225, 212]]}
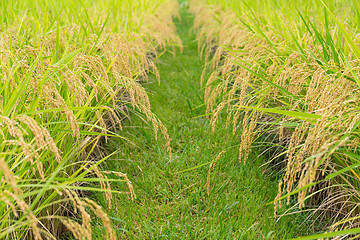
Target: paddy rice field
{"points": [[166, 119]]}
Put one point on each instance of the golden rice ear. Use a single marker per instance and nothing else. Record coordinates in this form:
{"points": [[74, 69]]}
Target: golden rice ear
{"points": [[12, 127], [41, 134], [75, 85], [97, 209], [8, 200], [98, 71], [51, 144], [128, 183], [154, 68], [82, 231], [35, 129], [76, 229], [31, 155], [17, 132], [104, 184], [9, 176], [24, 208], [52, 98], [216, 114]]}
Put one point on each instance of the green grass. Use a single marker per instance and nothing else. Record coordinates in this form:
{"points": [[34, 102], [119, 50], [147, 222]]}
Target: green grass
{"points": [[172, 200], [65, 67]]}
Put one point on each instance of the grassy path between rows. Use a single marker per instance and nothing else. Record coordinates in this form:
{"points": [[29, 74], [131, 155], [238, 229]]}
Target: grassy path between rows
{"points": [[172, 200]]}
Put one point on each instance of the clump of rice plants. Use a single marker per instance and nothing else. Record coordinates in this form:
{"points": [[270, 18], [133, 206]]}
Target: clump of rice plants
{"points": [[289, 69], [70, 72]]}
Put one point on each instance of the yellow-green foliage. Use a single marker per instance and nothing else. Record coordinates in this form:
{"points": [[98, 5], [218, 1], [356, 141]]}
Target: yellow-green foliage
{"points": [[69, 69], [290, 69]]}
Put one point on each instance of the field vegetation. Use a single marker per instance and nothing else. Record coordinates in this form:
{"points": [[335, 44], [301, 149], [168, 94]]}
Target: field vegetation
{"points": [[285, 75], [70, 72], [252, 131]]}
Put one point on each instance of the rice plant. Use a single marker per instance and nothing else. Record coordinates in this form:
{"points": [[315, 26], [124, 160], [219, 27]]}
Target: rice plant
{"points": [[288, 71], [70, 72], [284, 77]]}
